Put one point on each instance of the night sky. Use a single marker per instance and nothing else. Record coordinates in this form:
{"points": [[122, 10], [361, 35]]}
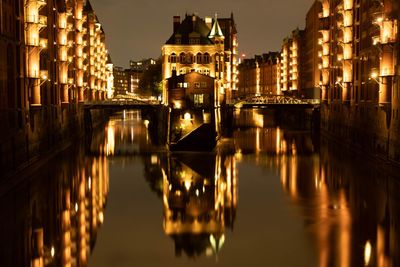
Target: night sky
{"points": [[137, 29]]}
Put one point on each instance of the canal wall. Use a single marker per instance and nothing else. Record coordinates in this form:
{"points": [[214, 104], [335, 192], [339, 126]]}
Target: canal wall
{"points": [[158, 118], [367, 129], [48, 130], [294, 118]]}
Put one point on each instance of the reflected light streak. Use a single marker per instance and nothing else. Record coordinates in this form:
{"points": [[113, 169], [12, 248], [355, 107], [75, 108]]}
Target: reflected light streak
{"points": [[110, 144], [367, 253]]}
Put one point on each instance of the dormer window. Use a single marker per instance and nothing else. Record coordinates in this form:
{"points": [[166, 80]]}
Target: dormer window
{"points": [[194, 41], [178, 39]]}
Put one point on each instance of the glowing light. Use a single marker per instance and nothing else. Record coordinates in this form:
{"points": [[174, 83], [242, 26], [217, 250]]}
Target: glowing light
{"points": [[90, 183], [379, 20], [76, 207], [101, 217], [52, 252], [177, 104], [146, 123], [187, 185], [154, 159], [187, 116], [374, 74], [367, 253], [197, 192]]}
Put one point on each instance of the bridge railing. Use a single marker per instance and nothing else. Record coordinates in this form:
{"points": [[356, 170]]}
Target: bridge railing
{"points": [[275, 99], [122, 102]]}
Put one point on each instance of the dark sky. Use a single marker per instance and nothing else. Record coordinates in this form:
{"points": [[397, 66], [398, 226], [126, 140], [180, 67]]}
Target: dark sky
{"points": [[137, 29]]}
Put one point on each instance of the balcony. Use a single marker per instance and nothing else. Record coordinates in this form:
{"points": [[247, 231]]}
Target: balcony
{"points": [[44, 74], [42, 21], [32, 41], [389, 31], [31, 19], [377, 17], [347, 4], [62, 54], [40, 3], [70, 26], [43, 43], [376, 40]]}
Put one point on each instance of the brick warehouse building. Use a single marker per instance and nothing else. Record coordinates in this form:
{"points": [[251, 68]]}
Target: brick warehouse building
{"points": [[207, 46], [54, 59]]}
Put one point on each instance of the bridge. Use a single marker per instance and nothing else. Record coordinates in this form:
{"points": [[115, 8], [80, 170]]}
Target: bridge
{"points": [[262, 101], [275, 101], [121, 103]]}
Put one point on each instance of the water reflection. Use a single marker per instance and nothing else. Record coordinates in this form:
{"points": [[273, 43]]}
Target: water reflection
{"points": [[346, 212], [53, 218], [199, 201], [350, 210]]}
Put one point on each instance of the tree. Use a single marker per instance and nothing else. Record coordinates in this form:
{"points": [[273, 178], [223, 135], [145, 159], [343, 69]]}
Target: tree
{"points": [[151, 81]]}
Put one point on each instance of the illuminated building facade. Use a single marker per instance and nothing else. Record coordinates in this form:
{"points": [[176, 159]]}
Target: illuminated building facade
{"points": [[135, 73], [360, 73], [203, 46], [120, 81], [110, 78], [259, 76], [311, 72], [292, 64], [54, 60], [142, 65]]}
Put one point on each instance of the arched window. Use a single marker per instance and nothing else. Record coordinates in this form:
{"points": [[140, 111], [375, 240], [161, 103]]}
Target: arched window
{"points": [[206, 58], [182, 58], [172, 58], [189, 58], [199, 58]]}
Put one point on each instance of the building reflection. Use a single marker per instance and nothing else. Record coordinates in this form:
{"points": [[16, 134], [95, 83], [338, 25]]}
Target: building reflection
{"points": [[258, 134], [126, 134], [199, 195], [350, 210], [53, 219], [351, 214]]}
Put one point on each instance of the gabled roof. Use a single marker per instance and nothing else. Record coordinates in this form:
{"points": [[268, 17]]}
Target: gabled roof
{"points": [[216, 30], [88, 7], [109, 61], [191, 26]]}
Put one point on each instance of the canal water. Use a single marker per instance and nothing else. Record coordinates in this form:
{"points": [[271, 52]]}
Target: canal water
{"points": [[267, 196]]}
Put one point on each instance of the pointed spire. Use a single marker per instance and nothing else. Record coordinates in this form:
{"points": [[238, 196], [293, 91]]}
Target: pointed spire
{"points": [[216, 29]]}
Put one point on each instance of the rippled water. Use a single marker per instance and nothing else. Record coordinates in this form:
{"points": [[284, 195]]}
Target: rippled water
{"points": [[265, 197]]}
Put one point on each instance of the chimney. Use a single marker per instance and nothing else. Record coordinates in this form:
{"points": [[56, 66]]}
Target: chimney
{"points": [[208, 21], [177, 23]]}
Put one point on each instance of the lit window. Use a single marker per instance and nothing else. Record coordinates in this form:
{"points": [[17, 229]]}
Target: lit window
{"points": [[199, 58], [198, 99], [206, 58]]}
